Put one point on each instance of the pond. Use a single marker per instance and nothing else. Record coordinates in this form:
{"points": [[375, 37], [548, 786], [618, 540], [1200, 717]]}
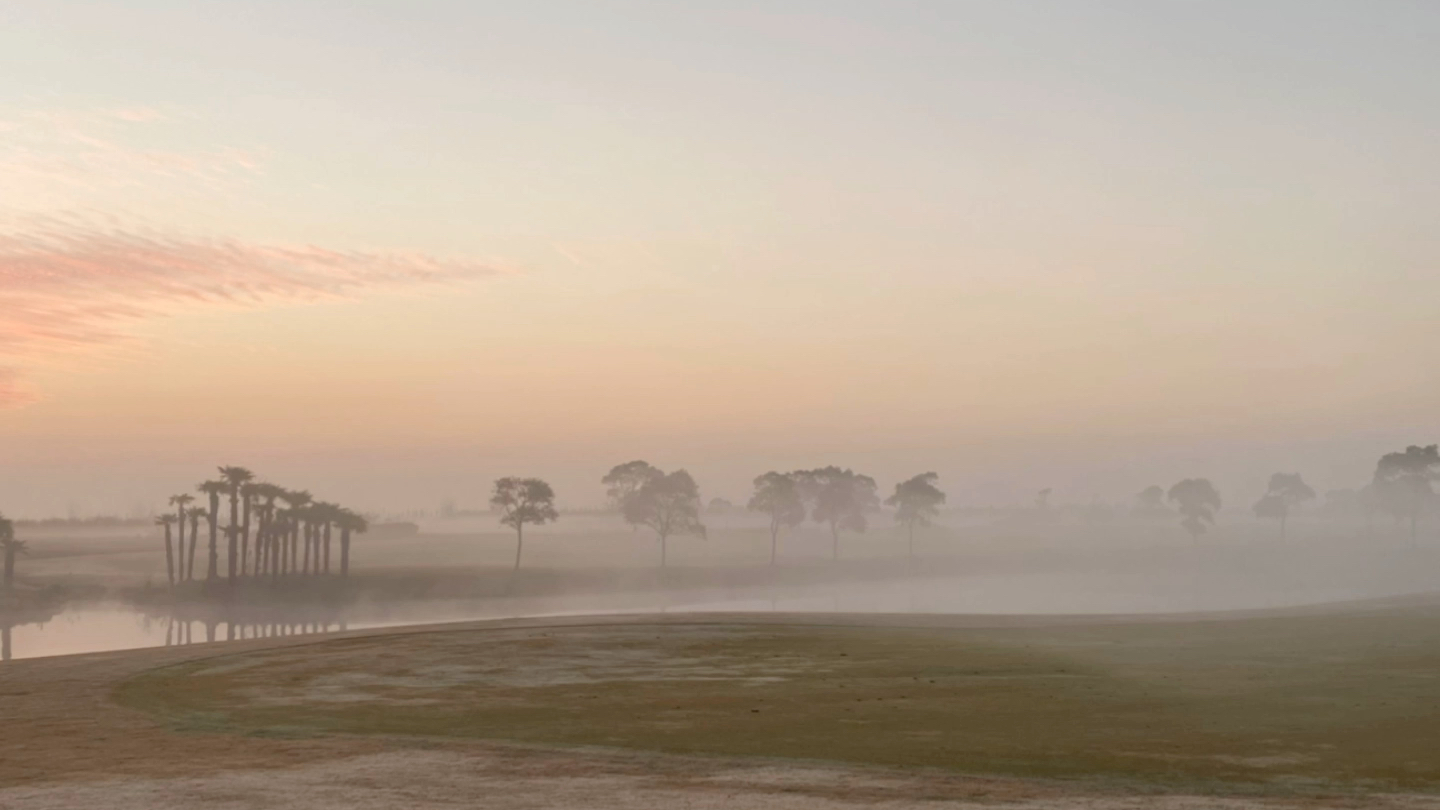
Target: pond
{"points": [[102, 627]]}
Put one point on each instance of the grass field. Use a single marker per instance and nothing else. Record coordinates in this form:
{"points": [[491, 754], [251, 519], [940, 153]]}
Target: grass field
{"points": [[1346, 701]]}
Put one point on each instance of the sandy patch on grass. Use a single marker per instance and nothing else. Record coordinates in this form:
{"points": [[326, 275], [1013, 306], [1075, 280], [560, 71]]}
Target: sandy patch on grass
{"points": [[536, 780]]}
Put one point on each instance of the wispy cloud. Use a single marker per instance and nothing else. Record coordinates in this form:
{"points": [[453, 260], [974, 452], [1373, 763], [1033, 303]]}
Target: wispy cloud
{"points": [[62, 158], [67, 284]]}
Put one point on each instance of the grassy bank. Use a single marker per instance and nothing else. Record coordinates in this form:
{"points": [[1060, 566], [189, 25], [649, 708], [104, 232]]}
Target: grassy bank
{"points": [[1295, 704]]}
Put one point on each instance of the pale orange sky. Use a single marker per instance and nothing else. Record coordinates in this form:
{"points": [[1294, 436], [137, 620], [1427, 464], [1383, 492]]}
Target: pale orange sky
{"points": [[399, 252]]}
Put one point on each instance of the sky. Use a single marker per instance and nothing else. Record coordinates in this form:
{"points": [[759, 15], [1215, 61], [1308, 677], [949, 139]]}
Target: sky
{"points": [[390, 251]]}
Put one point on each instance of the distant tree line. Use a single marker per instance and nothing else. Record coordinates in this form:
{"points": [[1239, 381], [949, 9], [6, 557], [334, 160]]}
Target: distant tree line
{"points": [[1401, 486]]}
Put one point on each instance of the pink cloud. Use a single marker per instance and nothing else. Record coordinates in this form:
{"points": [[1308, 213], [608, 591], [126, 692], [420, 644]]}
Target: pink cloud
{"points": [[13, 390], [66, 285]]}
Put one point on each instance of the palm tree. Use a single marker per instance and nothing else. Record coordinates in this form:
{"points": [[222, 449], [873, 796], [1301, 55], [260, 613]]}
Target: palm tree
{"points": [[307, 516], [168, 521], [195, 515], [180, 502], [265, 495], [281, 521], [325, 516], [234, 478], [247, 499], [214, 489], [349, 522], [10, 546], [295, 500]]}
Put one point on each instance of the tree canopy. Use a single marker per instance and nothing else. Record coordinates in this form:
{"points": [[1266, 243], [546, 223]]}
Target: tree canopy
{"points": [[668, 504], [916, 501], [1402, 482], [839, 498], [777, 495], [1198, 500], [624, 480], [523, 500], [520, 501], [1286, 491]]}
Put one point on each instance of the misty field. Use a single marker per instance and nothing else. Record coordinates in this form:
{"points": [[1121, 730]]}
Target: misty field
{"points": [[1299, 704]]}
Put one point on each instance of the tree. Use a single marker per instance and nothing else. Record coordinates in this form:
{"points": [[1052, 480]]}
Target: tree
{"points": [[778, 496], [1286, 491], [521, 501], [916, 502], [624, 480], [213, 489], [180, 502], [9, 546], [840, 497], [234, 478], [1402, 481], [668, 504], [195, 515], [248, 493], [326, 514], [1150, 502], [1198, 501], [349, 522], [296, 502], [265, 540], [168, 521]]}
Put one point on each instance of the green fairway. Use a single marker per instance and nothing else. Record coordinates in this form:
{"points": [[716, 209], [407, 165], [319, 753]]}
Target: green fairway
{"points": [[1270, 704]]}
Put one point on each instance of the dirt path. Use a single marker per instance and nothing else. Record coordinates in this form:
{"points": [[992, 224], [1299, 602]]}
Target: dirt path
{"points": [[64, 743]]}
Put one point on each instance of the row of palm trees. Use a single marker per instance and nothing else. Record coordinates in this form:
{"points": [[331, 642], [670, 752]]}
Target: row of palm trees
{"points": [[292, 531]]}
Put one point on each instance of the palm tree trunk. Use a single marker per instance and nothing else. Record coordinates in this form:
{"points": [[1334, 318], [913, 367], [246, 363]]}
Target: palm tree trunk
{"points": [[169, 556], [327, 546], [213, 570], [180, 518], [245, 536], [309, 542], [233, 533], [194, 535], [519, 543], [260, 548], [345, 551]]}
